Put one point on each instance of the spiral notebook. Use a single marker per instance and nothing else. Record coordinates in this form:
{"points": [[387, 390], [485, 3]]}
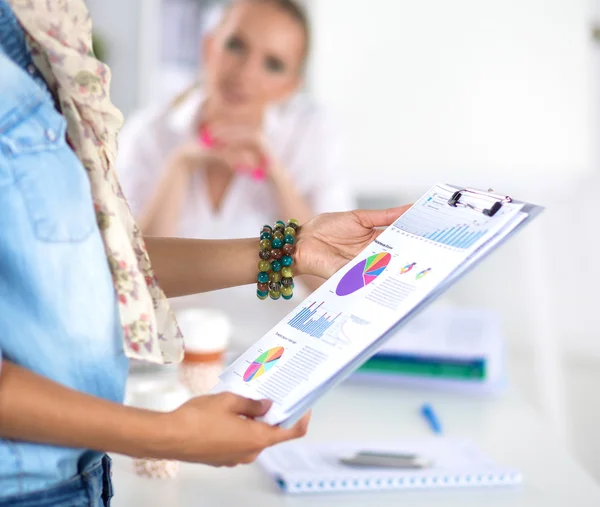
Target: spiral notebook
{"points": [[299, 467]]}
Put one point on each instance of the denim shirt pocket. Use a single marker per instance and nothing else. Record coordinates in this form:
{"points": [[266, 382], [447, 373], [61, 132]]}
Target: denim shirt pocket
{"points": [[52, 181]]}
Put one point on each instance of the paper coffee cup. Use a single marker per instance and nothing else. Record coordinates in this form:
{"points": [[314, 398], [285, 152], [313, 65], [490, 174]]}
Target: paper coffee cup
{"points": [[206, 334]]}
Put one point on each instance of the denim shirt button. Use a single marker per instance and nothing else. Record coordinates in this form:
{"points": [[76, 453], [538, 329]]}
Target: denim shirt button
{"points": [[51, 135], [31, 69]]}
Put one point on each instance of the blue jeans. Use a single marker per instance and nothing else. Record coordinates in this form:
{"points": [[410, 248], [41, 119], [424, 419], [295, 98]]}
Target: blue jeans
{"points": [[90, 488]]}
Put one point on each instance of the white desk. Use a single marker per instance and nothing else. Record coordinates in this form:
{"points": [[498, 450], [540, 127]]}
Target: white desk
{"points": [[507, 428]]}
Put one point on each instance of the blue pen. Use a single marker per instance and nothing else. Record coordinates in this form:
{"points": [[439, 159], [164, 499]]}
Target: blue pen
{"points": [[432, 419]]}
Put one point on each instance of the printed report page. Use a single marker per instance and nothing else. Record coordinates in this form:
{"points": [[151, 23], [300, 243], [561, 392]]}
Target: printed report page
{"points": [[350, 311]]}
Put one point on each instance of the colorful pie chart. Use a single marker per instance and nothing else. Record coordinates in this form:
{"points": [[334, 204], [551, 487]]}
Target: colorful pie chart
{"points": [[407, 268], [423, 273], [363, 273], [263, 363]]}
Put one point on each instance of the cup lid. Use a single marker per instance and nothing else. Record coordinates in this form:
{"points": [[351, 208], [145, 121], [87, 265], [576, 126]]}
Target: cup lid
{"points": [[205, 330], [162, 395]]}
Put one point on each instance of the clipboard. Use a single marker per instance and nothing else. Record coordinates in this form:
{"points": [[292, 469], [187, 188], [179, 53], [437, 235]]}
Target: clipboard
{"points": [[462, 197], [451, 229]]}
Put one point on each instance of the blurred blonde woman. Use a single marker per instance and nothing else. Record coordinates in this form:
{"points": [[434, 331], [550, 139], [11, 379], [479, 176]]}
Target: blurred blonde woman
{"points": [[239, 150]]}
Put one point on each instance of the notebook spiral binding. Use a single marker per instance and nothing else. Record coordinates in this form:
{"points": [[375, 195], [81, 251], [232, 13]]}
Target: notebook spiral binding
{"points": [[392, 483]]}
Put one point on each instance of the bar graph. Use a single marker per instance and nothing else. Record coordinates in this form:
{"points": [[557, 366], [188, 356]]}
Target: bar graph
{"points": [[433, 219], [459, 236], [313, 320]]}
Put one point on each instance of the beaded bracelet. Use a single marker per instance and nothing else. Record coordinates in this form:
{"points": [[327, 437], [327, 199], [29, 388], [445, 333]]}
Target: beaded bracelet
{"points": [[277, 245]]}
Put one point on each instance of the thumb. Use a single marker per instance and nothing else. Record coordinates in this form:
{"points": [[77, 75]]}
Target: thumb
{"points": [[248, 407], [380, 217]]}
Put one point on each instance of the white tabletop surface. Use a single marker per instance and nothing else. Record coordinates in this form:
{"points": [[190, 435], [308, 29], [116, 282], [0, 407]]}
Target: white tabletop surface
{"points": [[507, 428]]}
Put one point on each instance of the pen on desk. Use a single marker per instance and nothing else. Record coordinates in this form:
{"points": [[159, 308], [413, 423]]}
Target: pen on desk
{"points": [[432, 419], [378, 459]]}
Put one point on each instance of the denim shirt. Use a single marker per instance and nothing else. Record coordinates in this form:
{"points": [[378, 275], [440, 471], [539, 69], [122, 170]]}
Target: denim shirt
{"points": [[58, 310]]}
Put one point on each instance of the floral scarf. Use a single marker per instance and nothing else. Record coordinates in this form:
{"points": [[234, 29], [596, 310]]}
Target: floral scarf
{"points": [[59, 34]]}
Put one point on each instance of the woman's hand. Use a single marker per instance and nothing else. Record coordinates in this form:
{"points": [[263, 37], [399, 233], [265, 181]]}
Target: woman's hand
{"points": [[245, 147], [192, 155], [216, 430], [220, 430], [248, 148], [324, 244], [329, 241]]}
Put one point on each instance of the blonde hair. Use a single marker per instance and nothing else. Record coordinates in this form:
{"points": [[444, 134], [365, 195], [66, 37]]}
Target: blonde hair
{"points": [[290, 7]]}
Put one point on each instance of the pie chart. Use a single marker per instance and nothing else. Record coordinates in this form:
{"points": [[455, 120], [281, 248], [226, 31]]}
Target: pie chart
{"points": [[263, 363], [363, 273]]}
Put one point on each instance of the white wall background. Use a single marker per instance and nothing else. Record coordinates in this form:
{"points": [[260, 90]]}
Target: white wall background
{"points": [[131, 29], [482, 90], [495, 93]]}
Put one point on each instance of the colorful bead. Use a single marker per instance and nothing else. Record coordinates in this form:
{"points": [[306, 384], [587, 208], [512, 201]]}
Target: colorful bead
{"points": [[276, 250], [289, 249]]}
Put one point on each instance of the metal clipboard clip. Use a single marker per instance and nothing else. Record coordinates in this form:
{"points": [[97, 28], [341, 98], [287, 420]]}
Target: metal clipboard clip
{"points": [[497, 199]]}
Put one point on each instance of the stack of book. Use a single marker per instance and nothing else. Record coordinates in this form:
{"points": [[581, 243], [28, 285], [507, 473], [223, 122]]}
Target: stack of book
{"points": [[446, 347]]}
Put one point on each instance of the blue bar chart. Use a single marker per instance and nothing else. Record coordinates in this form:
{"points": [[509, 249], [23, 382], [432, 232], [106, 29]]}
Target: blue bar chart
{"points": [[433, 219], [459, 236], [313, 320]]}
